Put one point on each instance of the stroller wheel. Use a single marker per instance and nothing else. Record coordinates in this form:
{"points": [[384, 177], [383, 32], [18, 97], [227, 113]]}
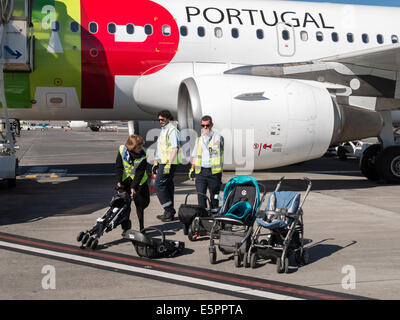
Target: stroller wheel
{"points": [[212, 254], [237, 258], [89, 242], [94, 244], [306, 257], [282, 265], [191, 235], [253, 259], [80, 236]]}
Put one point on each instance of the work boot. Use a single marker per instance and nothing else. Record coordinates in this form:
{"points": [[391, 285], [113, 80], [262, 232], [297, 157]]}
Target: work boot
{"points": [[162, 216], [168, 217]]}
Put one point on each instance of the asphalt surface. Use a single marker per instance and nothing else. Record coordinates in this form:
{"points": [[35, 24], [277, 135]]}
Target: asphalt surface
{"points": [[66, 182]]}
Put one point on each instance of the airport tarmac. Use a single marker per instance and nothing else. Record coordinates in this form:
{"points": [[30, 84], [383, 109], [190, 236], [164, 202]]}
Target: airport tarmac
{"points": [[66, 182]]}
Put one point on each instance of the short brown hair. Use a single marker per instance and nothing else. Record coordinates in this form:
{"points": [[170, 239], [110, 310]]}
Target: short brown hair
{"points": [[132, 141]]}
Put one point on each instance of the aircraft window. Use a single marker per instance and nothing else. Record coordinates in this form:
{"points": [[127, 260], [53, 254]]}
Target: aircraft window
{"points": [[350, 37], [130, 28], [395, 39], [235, 33], [304, 35], [166, 30], [285, 35], [93, 27], [320, 36], [365, 38], [218, 32], [111, 28], [260, 34], [184, 31], [379, 38], [148, 29], [335, 37], [55, 26], [201, 31], [74, 26]]}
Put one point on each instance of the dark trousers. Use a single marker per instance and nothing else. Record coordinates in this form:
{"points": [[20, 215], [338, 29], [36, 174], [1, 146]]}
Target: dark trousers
{"points": [[141, 199], [205, 179], [165, 188]]}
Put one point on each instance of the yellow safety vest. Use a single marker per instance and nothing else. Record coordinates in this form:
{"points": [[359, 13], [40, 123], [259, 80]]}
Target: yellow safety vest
{"points": [[216, 154], [130, 169], [165, 148]]}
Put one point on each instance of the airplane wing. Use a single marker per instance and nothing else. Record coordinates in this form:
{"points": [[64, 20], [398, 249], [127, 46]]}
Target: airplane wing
{"points": [[384, 58]]}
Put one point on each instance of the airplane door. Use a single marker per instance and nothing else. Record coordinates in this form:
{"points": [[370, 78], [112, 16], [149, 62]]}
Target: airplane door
{"points": [[286, 40]]}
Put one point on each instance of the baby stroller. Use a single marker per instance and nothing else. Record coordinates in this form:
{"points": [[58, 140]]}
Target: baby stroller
{"points": [[241, 201], [196, 220], [117, 214], [283, 219], [149, 247]]}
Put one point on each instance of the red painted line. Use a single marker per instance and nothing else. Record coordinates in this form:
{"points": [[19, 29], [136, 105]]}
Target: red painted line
{"points": [[172, 268]]}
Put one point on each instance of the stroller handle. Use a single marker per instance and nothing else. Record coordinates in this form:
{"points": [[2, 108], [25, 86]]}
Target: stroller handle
{"points": [[199, 193], [309, 185]]}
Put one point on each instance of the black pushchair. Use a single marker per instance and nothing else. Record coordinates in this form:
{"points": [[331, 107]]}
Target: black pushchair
{"points": [[117, 214], [196, 221], [283, 220], [241, 201], [153, 247]]}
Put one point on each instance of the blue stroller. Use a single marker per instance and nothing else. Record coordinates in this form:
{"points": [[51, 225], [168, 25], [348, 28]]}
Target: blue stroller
{"points": [[234, 222], [283, 220]]}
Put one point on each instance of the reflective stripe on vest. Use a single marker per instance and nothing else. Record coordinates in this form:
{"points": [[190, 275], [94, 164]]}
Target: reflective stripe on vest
{"points": [[165, 148], [216, 154], [130, 169]]}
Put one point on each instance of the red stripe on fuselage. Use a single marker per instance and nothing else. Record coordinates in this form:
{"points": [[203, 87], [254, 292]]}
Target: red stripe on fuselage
{"points": [[103, 58]]}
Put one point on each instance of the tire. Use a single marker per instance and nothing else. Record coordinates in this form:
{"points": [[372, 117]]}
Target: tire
{"points": [[238, 259], [94, 244], [212, 254], [253, 259], [85, 238], [388, 164], [341, 153], [285, 265], [368, 162], [279, 267], [305, 257], [89, 242], [80, 236]]}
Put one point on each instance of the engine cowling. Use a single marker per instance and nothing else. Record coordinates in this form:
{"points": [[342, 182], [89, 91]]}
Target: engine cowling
{"points": [[266, 122]]}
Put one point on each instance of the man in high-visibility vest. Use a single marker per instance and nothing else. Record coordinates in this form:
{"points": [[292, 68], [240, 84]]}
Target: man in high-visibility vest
{"points": [[167, 158], [207, 163]]}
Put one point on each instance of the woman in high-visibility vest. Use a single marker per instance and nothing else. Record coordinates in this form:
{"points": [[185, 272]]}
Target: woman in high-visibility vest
{"points": [[132, 176]]}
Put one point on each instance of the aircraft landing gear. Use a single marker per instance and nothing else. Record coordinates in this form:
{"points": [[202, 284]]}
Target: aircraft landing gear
{"points": [[388, 164], [368, 162]]}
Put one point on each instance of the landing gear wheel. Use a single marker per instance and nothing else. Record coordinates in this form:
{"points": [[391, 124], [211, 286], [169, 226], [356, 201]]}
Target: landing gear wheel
{"points": [[341, 153], [368, 162], [388, 164]]}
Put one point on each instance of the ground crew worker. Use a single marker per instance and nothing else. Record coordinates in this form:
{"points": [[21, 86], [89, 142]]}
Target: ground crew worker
{"points": [[167, 158], [207, 163], [131, 164]]}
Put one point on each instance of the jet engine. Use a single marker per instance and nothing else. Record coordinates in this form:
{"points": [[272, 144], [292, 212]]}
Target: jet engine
{"points": [[271, 122]]}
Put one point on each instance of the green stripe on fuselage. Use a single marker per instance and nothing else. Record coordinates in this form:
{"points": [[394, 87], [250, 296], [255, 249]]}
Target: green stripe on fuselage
{"points": [[57, 53]]}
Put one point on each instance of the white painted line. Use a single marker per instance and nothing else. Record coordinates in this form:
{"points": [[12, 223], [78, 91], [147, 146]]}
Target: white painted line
{"points": [[160, 274]]}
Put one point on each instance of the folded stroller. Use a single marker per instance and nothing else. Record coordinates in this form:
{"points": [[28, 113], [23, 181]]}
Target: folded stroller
{"points": [[283, 221], [241, 201], [153, 247], [117, 214], [196, 221]]}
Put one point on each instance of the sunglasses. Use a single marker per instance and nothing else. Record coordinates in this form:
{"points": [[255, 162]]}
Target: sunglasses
{"points": [[162, 119], [206, 125]]}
